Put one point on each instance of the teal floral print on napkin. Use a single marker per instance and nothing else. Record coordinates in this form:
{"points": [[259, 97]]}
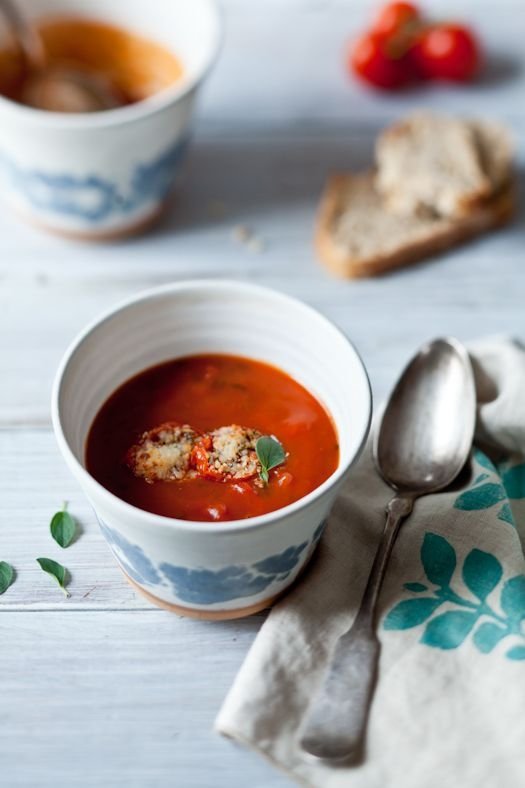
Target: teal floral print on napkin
{"points": [[509, 484], [482, 574], [513, 477]]}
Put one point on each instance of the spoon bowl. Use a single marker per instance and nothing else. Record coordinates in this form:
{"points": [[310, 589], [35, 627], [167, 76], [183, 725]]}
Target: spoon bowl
{"points": [[427, 426]]}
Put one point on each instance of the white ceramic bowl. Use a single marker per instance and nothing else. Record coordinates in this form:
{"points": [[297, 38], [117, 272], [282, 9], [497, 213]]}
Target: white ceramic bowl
{"points": [[108, 173], [225, 569]]}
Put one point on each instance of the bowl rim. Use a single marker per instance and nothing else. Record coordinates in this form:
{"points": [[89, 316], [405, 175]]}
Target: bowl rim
{"points": [[148, 107], [198, 526]]}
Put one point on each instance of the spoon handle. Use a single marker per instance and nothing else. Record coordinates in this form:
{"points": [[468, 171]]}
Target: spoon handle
{"points": [[336, 724], [25, 33]]}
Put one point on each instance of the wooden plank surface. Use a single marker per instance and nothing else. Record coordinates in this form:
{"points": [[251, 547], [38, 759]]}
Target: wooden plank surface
{"points": [[102, 689], [127, 701]]}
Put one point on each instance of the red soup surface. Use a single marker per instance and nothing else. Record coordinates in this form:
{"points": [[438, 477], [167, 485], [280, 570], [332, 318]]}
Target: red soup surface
{"points": [[203, 398]]}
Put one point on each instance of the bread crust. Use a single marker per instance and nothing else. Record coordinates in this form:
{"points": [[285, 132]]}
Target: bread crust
{"points": [[496, 149], [443, 233]]}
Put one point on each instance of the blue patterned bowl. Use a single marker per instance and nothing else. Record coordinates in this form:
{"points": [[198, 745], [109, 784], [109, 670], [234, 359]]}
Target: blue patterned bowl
{"points": [[226, 569], [106, 174]]}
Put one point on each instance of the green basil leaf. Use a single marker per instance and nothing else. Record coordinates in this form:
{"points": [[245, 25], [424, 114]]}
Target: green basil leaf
{"points": [[57, 571], [6, 576], [63, 528], [270, 454]]}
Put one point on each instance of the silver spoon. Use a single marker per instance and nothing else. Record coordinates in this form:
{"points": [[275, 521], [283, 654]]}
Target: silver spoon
{"points": [[421, 445], [52, 88]]}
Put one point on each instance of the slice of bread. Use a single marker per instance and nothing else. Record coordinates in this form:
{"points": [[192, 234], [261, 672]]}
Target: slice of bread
{"points": [[435, 165], [358, 236]]}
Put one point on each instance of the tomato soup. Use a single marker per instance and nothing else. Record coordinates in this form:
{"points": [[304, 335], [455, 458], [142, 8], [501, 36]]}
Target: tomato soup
{"points": [[136, 66], [186, 439]]}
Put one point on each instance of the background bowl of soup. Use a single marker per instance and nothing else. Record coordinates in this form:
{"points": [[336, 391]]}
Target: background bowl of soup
{"points": [[106, 173], [316, 387]]}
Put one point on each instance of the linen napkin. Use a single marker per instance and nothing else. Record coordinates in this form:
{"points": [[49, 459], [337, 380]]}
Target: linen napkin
{"points": [[449, 706]]}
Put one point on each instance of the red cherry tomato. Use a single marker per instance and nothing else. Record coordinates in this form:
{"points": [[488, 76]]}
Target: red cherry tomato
{"points": [[393, 17], [200, 460], [371, 60], [449, 52]]}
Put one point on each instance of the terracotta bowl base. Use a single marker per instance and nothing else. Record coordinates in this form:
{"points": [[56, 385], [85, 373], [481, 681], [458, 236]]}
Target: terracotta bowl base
{"points": [[137, 228], [203, 615]]}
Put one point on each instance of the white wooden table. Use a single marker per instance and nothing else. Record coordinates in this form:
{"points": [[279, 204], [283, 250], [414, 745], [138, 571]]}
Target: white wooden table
{"points": [[103, 689]]}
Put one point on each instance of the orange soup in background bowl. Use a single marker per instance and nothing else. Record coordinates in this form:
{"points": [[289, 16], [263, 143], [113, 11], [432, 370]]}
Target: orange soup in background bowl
{"points": [[133, 66], [211, 425], [104, 173]]}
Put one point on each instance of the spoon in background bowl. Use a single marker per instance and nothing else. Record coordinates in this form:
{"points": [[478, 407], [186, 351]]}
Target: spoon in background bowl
{"points": [[421, 445], [54, 88]]}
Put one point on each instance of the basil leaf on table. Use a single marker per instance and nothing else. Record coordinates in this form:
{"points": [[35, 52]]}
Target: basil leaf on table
{"points": [[63, 528], [270, 454], [57, 571], [6, 576]]}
